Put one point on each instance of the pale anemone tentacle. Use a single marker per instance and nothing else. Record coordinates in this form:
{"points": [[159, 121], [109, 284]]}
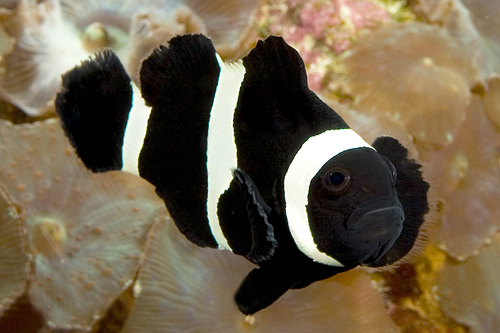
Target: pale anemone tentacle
{"points": [[229, 23], [53, 36], [31, 75]]}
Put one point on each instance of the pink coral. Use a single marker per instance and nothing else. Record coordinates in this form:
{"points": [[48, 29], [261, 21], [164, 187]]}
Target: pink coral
{"points": [[335, 21], [321, 29]]}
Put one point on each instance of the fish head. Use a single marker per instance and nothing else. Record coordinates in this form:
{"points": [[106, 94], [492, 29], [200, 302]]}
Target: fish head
{"points": [[354, 213]]}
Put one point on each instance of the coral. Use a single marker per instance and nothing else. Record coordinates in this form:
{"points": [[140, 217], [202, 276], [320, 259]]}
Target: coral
{"points": [[87, 232], [321, 29], [333, 22], [191, 290], [409, 293], [416, 74]]}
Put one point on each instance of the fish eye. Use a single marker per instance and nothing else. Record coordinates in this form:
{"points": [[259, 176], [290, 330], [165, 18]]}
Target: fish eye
{"points": [[337, 179]]}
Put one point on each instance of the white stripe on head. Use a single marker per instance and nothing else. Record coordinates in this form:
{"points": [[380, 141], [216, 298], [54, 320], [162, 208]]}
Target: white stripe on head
{"points": [[135, 132], [310, 158], [221, 148]]}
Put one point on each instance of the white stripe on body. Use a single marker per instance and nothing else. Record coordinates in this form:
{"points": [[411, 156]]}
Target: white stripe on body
{"points": [[221, 149], [310, 158], [135, 132]]}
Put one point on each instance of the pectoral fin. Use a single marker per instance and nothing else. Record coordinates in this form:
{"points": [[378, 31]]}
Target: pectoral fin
{"points": [[412, 193], [263, 241]]}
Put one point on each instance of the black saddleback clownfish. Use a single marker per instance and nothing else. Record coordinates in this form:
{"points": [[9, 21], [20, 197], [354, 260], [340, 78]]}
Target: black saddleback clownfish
{"points": [[248, 159]]}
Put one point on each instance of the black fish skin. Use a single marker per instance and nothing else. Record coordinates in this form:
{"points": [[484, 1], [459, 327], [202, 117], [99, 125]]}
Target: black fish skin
{"points": [[262, 232], [179, 82], [275, 114], [93, 106], [412, 193], [338, 220]]}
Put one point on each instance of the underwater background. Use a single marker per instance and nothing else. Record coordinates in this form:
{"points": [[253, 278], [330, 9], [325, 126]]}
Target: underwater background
{"points": [[83, 252]]}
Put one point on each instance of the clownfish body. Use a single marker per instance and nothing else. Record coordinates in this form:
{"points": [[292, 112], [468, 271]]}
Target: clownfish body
{"points": [[248, 159]]}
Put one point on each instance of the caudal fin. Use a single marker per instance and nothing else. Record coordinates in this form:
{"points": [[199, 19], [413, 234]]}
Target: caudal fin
{"points": [[94, 105]]}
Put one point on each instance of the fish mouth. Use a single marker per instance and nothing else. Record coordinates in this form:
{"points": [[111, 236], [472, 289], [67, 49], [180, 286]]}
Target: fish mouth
{"points": [[376, 224]]}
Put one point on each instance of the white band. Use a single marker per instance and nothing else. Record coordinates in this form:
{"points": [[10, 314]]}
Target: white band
{"points": [[135, 132], [221, 148], [310, 158]]}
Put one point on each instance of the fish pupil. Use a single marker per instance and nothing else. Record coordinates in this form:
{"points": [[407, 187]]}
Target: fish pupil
{"points": [[337, 178]]}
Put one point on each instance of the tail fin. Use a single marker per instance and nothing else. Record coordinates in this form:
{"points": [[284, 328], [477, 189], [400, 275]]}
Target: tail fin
{"points": [[93, 105]]}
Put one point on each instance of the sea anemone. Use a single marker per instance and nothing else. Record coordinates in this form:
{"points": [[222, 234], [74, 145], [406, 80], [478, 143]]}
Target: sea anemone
{"points": [[87, 232], [183, 288], [14, 258], [468, 291], [371, 125], [52, 36], [467, 178], [414, 73], [491, 100], [476, 22]]}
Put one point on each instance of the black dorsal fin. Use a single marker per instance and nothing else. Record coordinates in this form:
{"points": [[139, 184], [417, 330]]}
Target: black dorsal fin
{"points": [[278, 65], [275, 115], [179, 82], [412, 193], [93, 105], [276, 74]]}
